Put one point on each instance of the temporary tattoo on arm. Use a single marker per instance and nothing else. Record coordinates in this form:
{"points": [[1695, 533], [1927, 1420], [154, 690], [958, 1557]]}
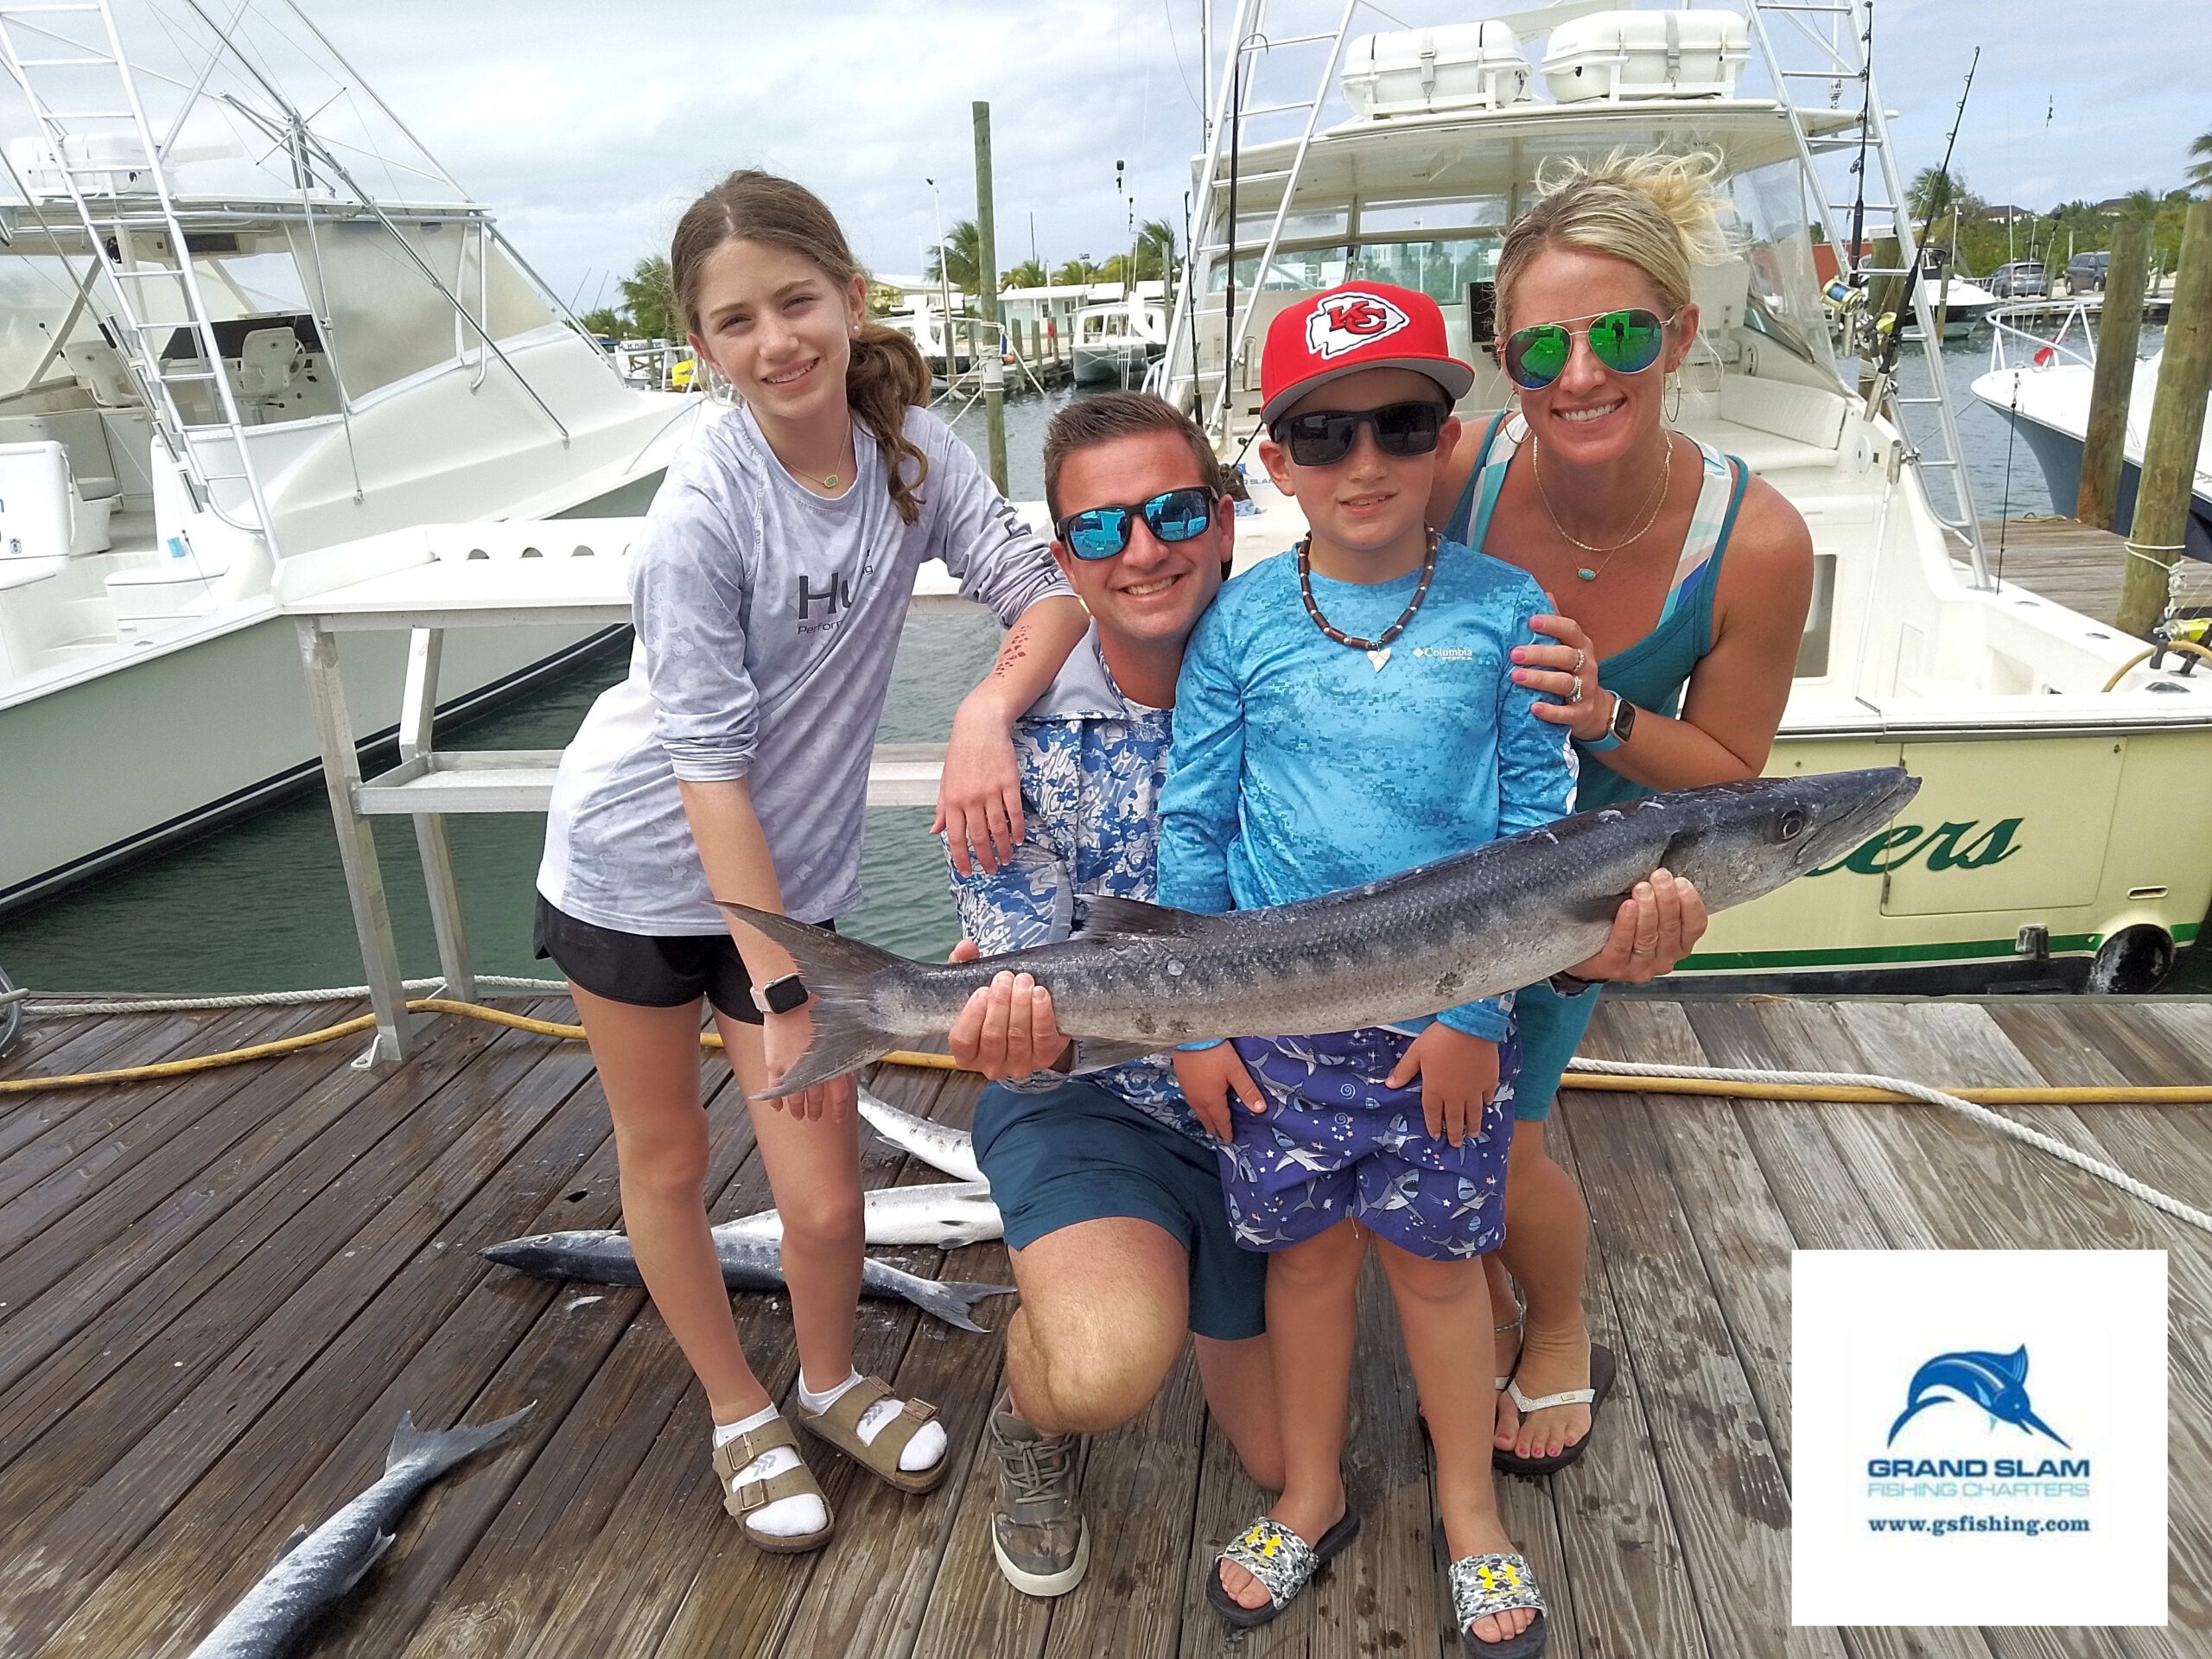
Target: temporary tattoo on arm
{"points": [[1015, 648]]}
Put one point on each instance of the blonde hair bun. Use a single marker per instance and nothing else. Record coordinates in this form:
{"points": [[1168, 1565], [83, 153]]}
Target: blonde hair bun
{"points": [[1662, 213]]}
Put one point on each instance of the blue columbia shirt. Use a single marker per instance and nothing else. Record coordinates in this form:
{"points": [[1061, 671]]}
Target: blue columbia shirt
{"points": [[1299, 768]]}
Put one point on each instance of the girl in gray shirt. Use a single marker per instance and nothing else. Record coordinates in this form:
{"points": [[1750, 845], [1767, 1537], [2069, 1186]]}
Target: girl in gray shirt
{"points": [[768, 593]]}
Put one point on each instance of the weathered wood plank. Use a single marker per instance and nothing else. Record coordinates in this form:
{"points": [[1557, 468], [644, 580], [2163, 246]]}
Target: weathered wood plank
{"points": [[103, 1473], [107, 1044], [1629, 1584], [1730, 1500], [257, 1207]]}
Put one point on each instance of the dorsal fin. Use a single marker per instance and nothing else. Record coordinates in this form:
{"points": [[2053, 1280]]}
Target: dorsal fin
{"points": [[1108, 915]]}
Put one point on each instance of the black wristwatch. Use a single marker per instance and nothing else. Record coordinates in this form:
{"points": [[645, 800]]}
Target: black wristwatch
{"points": [[1568, 984], [780, 995]]}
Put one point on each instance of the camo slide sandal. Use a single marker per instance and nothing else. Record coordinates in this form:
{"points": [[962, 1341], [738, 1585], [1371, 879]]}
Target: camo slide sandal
{"points": [[741, 1498], [1283, 1561], [1601, 1384], [840, 1426], [1483, 1585]]}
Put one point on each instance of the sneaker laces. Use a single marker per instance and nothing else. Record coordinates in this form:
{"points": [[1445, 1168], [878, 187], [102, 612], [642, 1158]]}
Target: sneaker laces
{"points": [[1035, 1469]]}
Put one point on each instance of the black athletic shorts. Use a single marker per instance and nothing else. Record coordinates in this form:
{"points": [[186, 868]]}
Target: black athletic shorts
{"points": [[645, 971]]}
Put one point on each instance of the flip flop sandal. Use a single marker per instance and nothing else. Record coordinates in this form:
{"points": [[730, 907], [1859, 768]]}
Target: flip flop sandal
{"points": [[840, 1426], [1482, 1585], [1283, 1562], [1601, 1384], [741, 1498]]}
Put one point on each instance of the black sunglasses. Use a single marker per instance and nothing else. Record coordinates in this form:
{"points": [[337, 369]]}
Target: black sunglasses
{"points": [[1325, 436], [1173, 516]]}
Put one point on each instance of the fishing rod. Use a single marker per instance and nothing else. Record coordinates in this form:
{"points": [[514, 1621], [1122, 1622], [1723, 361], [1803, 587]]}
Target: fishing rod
{"points": [[1859, 166], [1939, 195]]}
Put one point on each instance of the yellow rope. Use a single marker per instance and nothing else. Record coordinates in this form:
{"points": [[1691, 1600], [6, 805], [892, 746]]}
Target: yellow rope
{"points": [[2130, 1094]]}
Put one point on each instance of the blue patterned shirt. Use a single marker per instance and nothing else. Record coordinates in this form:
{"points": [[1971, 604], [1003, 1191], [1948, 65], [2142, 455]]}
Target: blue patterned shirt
{"points": [[1091, 762]]}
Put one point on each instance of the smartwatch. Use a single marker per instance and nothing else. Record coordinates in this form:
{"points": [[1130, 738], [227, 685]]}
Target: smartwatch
{"points": [[1616, 729], [780, 995]]}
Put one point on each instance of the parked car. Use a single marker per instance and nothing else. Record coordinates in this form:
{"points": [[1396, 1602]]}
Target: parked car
{"points": [[2085, 273], [2022, 279]]}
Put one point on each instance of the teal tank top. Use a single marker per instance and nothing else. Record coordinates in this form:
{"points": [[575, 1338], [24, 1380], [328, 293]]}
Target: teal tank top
{"points": [[1652, 672]]}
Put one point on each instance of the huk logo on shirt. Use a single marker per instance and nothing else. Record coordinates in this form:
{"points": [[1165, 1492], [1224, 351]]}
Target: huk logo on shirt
{"points": [[837, 592], [1344, 322]]}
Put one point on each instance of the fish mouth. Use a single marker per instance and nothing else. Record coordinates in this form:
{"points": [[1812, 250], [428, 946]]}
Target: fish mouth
{"points": [[1886, 790]]}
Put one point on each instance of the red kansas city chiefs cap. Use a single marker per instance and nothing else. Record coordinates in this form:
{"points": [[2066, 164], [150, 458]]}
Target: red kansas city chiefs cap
{"points": [[1359, 326]]}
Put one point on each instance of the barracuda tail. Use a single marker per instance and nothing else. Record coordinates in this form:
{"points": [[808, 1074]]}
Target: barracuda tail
{"points": [[842, 974], [437, 1450]]}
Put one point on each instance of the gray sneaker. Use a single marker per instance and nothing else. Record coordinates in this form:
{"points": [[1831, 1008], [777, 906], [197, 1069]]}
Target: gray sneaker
{"points": [[1037, 1528]]}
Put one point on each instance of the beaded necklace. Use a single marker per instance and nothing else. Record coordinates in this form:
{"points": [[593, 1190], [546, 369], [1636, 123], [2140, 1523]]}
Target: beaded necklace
{"points": [[1377, 649]]}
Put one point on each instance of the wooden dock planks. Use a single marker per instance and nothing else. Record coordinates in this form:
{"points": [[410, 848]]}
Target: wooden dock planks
{"points": [[218, 1293]]}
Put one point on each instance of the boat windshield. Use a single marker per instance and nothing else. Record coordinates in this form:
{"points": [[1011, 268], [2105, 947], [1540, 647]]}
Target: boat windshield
{"points": [[1782, 297]]}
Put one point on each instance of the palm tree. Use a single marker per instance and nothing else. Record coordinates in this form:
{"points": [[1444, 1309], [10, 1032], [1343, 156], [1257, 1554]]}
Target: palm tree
{"points": [[2144, 204], [1934, 194], [2199, 172], [1155, 250], [1030, 273], [649, 295], [959, 260], [1078, 269]]}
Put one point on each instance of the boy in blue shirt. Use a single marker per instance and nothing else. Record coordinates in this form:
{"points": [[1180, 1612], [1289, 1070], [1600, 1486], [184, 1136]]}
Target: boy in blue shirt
{"points": [[1344, 712]]}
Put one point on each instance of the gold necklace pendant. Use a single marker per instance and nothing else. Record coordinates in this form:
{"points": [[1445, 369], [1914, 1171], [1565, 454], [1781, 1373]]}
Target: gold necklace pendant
{"points": [[1658, 500]]}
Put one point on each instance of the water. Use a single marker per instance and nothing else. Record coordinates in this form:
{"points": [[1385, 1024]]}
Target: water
{"points": [[261, 906]]}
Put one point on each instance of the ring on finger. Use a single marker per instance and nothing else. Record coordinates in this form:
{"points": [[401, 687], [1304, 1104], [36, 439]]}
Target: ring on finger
{"points": [[1580, 658]]}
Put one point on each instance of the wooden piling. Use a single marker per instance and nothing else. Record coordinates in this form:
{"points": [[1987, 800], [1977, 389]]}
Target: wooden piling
{"points": [[2162, 499], [990, 362], [2120, 324]]}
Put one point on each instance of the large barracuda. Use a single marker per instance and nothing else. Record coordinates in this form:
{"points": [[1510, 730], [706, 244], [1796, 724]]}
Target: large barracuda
{"points": [[936, 1145], [1140, 977], [315, 1568], [948, 1215], [599, 1256]]}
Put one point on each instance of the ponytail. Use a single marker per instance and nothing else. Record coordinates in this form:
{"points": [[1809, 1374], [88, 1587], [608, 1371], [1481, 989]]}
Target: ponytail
{"points": [[884, 371]]}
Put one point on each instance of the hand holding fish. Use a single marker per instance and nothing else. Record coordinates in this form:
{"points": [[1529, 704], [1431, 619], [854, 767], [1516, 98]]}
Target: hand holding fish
{"points": [[1458, 1073], [1208, 1076], [1658, 925], [1569, 670], [1006, 1029], [786, 1036]]}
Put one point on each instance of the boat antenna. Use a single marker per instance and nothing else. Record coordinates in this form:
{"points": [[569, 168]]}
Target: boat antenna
{"points": [[1938, 197], [1859, 166], [1228, 299]]}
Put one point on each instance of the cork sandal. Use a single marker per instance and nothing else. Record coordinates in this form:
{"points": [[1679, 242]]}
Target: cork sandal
{"points": [[741, 1498], [840, 1426]]}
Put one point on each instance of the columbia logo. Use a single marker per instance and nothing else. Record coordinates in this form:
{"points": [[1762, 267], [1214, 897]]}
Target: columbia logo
{"points": [[1445, 653]]}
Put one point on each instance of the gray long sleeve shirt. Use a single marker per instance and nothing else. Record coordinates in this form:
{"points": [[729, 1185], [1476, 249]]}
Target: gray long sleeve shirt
{"points": [[768, 619]]}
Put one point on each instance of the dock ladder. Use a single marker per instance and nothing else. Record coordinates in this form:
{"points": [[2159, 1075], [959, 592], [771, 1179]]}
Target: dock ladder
{"points": [[1814, 43], [98, 141]]}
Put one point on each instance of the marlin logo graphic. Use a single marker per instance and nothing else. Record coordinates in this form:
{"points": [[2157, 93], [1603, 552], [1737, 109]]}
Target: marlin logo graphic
{"points": [[1996, 1382]]}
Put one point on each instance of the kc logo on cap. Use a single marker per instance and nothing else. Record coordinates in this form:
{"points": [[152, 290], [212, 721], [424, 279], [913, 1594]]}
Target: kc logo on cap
{"points": [[1349, 329], [1345, 321]]}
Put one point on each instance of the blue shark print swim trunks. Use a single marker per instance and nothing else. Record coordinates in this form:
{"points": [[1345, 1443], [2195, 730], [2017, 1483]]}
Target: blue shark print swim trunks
{"points": [[1336, 1140]]}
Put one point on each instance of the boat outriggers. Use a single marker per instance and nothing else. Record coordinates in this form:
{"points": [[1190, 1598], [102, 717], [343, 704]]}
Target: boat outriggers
{"points": [[2064, 832]]}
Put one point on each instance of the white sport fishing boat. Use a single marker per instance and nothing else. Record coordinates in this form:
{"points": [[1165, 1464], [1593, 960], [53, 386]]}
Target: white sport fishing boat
{"points": [[1117, 340], [2041, 385], [245, 316], [2064, 832]]}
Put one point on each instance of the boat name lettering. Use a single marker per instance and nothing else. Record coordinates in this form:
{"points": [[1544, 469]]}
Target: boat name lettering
{"points": [[1946, 846]]}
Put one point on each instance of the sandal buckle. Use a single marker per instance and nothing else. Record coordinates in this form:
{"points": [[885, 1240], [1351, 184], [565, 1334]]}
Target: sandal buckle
{"points": [[920, 1410], [750, 1495]]}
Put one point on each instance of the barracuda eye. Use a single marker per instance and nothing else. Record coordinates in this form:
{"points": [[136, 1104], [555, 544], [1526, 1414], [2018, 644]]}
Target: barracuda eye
{"points": [[1790, 826]]}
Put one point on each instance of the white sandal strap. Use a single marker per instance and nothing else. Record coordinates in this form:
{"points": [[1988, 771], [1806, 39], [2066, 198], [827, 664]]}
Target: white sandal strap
{"points": [[1564, 1397]]}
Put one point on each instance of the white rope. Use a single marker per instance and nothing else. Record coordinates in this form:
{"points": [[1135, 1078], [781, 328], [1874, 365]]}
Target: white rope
{"points": [[250, 999], [2003, 1125]]}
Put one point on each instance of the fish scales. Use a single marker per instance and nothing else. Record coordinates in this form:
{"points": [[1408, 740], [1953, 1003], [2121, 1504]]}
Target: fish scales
{"points": [[1140, 978]]}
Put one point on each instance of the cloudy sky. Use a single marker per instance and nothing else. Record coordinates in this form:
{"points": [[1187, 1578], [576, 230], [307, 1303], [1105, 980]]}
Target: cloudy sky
{"points": [[589, 127]]}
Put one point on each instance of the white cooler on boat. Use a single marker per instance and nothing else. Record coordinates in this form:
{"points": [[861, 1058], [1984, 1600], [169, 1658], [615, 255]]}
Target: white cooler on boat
{"points": [[1617, 55], [1417, 70]]}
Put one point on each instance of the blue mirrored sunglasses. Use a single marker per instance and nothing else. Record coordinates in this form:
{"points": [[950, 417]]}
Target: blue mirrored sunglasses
{"points": [[1173, 516]]}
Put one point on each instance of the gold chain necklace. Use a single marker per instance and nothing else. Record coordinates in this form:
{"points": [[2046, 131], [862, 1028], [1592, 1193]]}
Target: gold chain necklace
{"points": [[1658, 500]]}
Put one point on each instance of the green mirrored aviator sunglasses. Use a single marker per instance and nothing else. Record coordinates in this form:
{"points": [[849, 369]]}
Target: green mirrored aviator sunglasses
{"points": [[1627, 342]]}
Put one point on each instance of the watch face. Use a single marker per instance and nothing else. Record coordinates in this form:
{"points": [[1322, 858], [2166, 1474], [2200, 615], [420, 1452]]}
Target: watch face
{"points": [[1623, 719]]}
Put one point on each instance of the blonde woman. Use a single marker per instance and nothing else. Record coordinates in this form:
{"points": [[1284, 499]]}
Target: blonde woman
{"points": [[1681, 584], [769, 590]]}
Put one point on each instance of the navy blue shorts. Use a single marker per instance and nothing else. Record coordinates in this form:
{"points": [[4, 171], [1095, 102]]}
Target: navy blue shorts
{"points": [[1337, 1142], [1081, 1153]]}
